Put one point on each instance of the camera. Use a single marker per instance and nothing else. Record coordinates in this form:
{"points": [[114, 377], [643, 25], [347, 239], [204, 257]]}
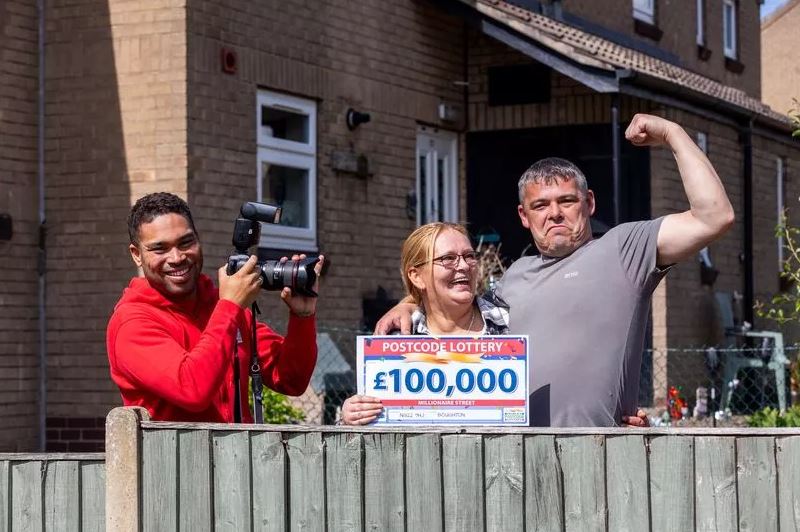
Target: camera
{"points": [[299, 275]]}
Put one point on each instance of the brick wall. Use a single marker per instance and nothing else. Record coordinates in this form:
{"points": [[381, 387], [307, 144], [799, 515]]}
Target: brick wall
{"points": [[76, 434], [677, 20], [116, 129], [18, 197], [780, 62], [394, 60]]}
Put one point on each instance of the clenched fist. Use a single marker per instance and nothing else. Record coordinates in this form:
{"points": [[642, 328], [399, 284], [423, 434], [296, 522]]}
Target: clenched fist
{"points": [[649, 130]]}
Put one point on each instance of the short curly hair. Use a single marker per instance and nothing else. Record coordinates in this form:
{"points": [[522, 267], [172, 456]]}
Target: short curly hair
{"points": [[148, 207]]}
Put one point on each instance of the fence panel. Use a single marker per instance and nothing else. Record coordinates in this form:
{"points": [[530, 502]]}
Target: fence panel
{"points": [[5, 496], [159, 480], [384, 501], [307, 482], [462, 465], [27, 511], [232, 469], [671, 483], [64, 514], [269, 460], [504, 483], [788, 464], [583, 463], [424, 506], [54, 491], [544, 495], [626, 483], [715, 483], [757, 483], [343, 463], [195, 480], [93, 496]]}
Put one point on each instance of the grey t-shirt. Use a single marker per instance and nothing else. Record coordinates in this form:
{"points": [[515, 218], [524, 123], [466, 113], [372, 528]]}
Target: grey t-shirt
{"points": [[586, 316]]}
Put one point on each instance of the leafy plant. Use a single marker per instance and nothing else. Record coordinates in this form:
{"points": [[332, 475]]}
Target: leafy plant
{"points": [[771, 417], [276, 407]]}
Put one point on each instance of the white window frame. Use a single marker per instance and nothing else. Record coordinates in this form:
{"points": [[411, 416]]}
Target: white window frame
{"points": [[431, 143], [301, 155], [729, 48], [645, 10], [701, 22], [780, 179]]}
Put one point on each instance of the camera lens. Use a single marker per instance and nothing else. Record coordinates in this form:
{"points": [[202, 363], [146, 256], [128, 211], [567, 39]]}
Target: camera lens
{"points": [[299, 275]]}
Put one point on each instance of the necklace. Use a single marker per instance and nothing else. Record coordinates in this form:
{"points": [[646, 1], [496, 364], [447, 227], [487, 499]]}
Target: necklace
{"points": [[471, 321]]}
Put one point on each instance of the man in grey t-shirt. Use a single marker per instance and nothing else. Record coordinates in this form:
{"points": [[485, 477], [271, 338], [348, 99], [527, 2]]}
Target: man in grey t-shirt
{"points": [[585, 302]]}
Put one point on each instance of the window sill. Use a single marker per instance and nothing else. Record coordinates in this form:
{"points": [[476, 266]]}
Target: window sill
{"points": [[703, 53], [733, 65], [651, 31]]}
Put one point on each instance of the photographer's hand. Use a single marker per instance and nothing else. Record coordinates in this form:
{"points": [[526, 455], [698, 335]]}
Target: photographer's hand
{"points": [[302, 305], [243, 286]]}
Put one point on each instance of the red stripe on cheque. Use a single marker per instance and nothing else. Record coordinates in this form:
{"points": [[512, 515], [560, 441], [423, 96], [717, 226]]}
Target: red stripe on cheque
{"points": [[453, 402]]}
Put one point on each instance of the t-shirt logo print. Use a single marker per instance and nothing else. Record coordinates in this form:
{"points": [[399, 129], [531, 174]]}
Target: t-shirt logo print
{"points": [[570, 275]]}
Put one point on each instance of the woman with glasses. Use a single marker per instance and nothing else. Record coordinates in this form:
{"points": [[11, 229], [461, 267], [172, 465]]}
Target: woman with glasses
{"points": [[440, 274]]}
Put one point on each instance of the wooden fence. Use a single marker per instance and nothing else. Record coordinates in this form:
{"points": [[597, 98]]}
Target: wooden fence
{"points": [[52, 492], [172, 476]]}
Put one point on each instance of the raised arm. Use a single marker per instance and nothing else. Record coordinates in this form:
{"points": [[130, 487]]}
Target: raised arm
{"points": [[397, 318], [710, 212]]}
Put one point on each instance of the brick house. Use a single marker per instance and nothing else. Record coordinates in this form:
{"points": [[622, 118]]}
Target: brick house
{"points": [[780, 68], [227, 101]]}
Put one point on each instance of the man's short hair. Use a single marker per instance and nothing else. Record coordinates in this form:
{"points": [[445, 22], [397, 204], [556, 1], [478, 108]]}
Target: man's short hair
{"points": [[148, 207], [549, 171]]}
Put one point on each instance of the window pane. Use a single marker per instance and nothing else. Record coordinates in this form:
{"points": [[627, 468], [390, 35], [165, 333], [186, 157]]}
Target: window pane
{"points": [[644, 10], [701, 33], [284, 124], [729, 22], [288, 188]]}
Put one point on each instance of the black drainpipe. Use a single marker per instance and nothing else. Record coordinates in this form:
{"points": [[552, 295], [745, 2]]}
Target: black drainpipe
{"points": [[746, 140], [42, 252]]}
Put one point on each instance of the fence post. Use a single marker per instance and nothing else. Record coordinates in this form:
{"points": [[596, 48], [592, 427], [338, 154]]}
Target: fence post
{"points": [[123, 468]]}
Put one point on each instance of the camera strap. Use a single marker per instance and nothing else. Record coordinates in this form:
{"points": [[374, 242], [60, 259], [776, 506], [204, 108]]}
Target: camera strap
{"points": [[255, 372]]}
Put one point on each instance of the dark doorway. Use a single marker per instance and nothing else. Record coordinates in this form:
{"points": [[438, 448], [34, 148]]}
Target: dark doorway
{"points": [[496, 160]]}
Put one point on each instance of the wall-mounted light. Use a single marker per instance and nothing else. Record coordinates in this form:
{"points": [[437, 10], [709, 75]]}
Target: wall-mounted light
{"points": [[356, 118], [228, 60]]}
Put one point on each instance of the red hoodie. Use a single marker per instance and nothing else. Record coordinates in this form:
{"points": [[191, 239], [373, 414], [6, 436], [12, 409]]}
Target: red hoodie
{"points": [[175, 359]]}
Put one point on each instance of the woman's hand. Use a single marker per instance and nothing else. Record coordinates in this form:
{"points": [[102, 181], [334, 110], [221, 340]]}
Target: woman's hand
{"points": [[361, 410]]}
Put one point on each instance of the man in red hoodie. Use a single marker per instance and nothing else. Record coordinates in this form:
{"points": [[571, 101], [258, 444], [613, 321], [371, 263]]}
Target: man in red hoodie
{"points": [[174, 338]]}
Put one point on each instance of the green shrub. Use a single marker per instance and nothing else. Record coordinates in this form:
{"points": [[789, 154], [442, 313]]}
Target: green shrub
{"points": [[771, 417], [277, 410]]}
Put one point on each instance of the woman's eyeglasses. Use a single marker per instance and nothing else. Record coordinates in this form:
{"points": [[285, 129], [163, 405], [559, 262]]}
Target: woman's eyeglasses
{"points": [[450, 260]]}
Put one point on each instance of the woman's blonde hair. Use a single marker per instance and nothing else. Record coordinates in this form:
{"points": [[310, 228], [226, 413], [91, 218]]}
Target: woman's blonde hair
{"points": [[418, 250]]}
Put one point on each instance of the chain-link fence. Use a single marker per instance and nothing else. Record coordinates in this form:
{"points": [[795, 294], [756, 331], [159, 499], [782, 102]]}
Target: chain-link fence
{"points": [[684, 387]]}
